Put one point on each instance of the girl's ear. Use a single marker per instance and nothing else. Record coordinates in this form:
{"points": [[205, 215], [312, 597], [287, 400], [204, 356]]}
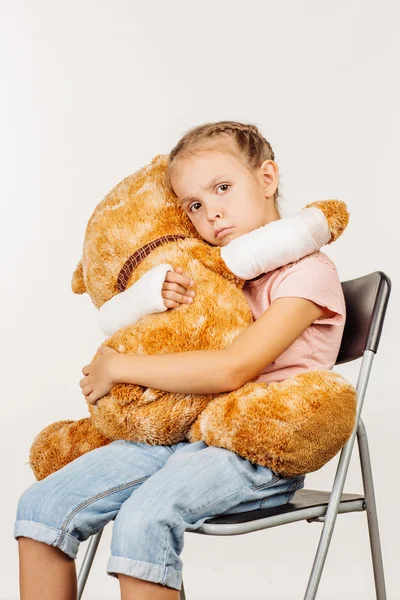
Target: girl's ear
{"points": [[78, 283]]}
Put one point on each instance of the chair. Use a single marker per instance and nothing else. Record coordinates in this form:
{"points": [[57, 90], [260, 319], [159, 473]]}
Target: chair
{"points": [[366, 302]]}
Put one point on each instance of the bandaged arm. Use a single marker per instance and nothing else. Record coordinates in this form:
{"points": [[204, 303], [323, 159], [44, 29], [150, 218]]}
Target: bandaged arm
{"points": [[259, 251], [277, 244], [140, 299]]}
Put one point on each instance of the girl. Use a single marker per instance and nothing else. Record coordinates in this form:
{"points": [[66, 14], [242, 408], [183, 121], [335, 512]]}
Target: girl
{"points": [[226, 178]]}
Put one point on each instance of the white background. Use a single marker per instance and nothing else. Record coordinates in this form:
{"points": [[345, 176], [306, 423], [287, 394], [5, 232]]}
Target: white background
{"points": [[91, 91]]}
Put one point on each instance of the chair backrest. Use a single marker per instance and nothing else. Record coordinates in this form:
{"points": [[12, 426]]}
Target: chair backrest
{"points": [[366, 302]]}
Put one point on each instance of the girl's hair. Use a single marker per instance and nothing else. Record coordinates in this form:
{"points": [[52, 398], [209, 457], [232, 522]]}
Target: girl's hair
{"points": [[243, 140]]}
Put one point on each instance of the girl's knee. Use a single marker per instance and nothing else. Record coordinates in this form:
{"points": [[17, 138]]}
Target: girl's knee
{"points": [[48, 514], [32, 502], [139, 535]]}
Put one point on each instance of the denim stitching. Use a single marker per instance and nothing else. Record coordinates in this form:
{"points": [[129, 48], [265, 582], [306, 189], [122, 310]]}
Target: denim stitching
{"points": [[133, 560], [266, 485], [89, 501]]}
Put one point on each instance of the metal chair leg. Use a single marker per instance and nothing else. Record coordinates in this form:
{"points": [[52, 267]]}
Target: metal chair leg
{"points": [[340, 477], [325, 539], [87, 562], [376, 550], [182, 593]]}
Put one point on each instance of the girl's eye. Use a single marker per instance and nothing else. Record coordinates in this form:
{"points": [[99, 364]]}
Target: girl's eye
{"points": [[222, 185], [190, 207]]}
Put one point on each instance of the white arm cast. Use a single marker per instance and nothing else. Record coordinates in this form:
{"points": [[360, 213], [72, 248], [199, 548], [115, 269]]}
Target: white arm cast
{"points": [[140, 299], [277, 244]]}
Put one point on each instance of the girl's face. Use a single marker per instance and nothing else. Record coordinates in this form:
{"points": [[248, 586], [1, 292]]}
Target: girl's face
{"points": [[217, 191]]}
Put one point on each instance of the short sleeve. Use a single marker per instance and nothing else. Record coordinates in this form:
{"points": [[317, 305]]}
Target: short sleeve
{"points": [[315, 278]]}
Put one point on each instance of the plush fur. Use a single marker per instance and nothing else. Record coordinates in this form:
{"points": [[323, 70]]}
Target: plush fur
{"points": [[293, 427]]}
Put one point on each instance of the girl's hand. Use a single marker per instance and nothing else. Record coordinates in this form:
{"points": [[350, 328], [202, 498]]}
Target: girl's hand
{"points": [[100, 375], [175, 290]]}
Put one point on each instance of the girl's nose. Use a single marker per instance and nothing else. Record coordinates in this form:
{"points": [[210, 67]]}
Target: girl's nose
{"points": [[213, 214]]}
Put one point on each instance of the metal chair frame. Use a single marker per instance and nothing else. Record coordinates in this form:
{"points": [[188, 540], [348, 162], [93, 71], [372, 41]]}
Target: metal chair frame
{"points": [[360, 339]]}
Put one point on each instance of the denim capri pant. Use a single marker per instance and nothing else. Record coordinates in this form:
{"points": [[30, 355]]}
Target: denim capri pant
{"points": [[153, 494]]}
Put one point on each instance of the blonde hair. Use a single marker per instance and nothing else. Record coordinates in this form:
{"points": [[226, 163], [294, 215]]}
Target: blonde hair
{"points": [[243, 140]]}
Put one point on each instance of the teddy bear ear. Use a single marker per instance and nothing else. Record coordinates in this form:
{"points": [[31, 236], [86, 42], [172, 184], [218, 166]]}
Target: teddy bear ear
{"points": [[78, 283]]}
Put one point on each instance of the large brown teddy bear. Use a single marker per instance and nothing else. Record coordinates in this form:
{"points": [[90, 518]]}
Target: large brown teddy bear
{"points": [[293, 427]]}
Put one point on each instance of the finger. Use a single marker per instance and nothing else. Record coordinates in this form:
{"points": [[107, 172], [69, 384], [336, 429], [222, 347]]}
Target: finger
{"points": [[170, 304], [88, 389], [105, 349], [86, 370], [174, 287], [177, 297], [91, 399], [83, 382], [180, 279]]}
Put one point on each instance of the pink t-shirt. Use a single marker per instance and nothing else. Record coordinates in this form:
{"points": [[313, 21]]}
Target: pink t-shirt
{"points": [[313, 277]]}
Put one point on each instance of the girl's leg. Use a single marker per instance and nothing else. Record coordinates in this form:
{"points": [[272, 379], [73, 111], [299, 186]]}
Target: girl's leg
{"points": [[69, 506], [45, 572], [196, 483]]}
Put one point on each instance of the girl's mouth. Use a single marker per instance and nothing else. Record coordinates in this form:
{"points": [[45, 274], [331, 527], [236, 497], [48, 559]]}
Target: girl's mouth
{"points": [[223, 232]]}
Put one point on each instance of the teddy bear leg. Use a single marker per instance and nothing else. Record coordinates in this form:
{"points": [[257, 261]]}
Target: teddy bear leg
{"points": [[60, 443], [292, 427]]}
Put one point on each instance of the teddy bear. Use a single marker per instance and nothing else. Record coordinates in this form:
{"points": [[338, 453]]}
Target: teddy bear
{"points": [[134, 235]]}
